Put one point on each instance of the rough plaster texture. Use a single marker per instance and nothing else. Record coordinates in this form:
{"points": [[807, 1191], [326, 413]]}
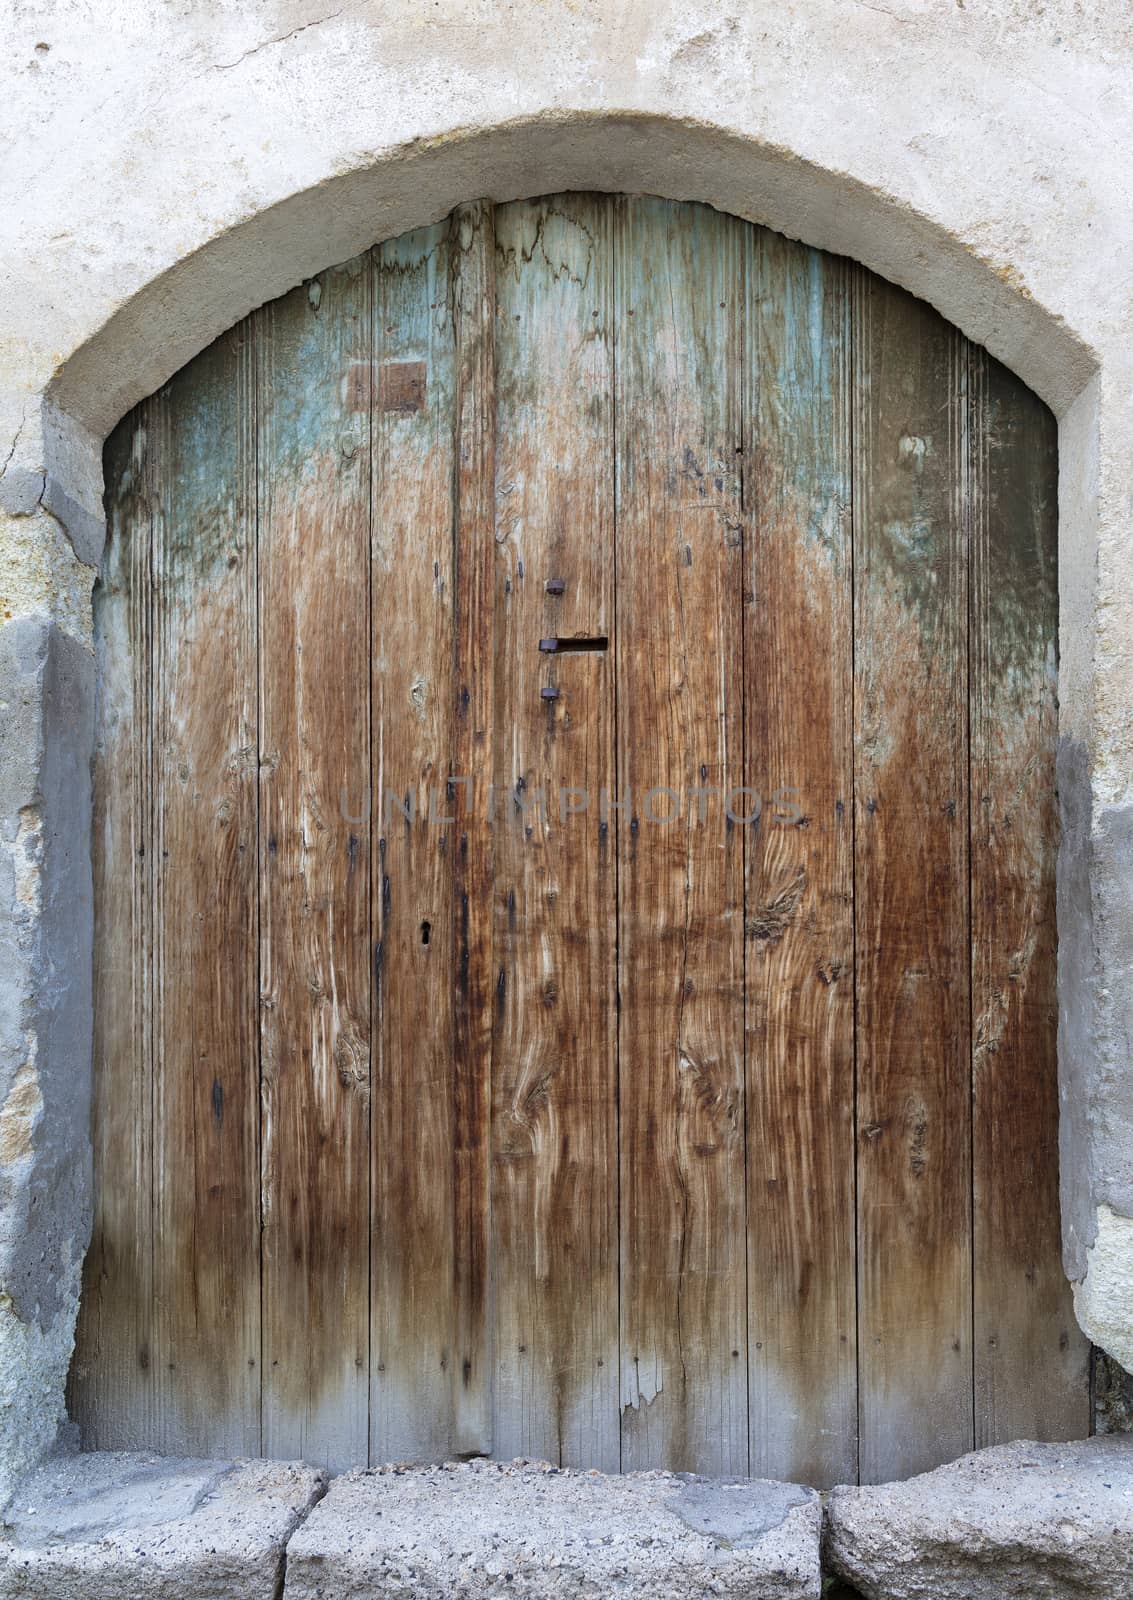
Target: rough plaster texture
{"points": [[168, 167], [101, 1527], [538, 1532], [1103, 1298], [1020, 1522]]}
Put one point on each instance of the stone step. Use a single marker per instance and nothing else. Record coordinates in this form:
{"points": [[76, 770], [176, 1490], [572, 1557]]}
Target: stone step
{"points": [[529, 1531], [1018, 1522], [117, 1526]]}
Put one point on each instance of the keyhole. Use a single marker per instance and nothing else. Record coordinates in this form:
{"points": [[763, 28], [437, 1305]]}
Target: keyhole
{"points": [[426, 930]]}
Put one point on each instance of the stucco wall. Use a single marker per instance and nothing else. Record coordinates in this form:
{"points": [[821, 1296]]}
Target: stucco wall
{"points": [[168, 166]]}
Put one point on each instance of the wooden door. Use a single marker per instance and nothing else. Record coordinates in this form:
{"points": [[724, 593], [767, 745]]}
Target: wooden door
{"points": [[575, 831]]}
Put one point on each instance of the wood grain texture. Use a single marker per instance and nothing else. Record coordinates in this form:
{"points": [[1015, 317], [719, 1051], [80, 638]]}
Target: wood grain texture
{"points": [[554, 1201], [798, 659], [911, 911], [474, 645], [1030, 1356], [315, 868], [679, 628], [413, 1284], [111, 1384], [206, 1093], [648, 1095]]}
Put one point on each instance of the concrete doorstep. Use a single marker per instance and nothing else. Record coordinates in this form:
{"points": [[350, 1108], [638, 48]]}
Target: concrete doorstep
{"points": [[128, 1527], [526, 1529], [131, 1527], [1019, 1522], [1024, 1520]]}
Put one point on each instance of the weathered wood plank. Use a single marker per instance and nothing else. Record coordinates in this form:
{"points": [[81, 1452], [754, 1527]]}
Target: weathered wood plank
{"points": [[562, 1222], [679, 627], [554, 1202], [111, 1389], [315, 867], [1030, 1356], [473, 738], [413, 1285], [798, 658], [206, 1090], [911, 913]]}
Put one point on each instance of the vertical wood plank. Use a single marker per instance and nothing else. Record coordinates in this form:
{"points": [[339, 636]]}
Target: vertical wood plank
{"points": [[413, 1284], [755, 651], [111, 1388], [554, 1205], [206, 1092], [798, 658], [314, 865], [679, 312], [473, 655], [911, 869], [1031, 1359]]}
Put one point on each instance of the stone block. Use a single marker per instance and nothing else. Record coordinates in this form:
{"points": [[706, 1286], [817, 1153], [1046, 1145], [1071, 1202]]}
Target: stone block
{"points": [[529, 1531], [110, 1526], [1018, 1522]]}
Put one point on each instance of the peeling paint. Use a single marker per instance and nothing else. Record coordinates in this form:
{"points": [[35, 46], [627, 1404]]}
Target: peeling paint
{"points": [[19, 1115], [1103, 1301], [636, 1393], [40, 573]]}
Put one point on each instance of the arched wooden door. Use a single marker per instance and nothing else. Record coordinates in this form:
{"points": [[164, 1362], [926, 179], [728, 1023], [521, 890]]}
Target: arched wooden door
{"points": [[575, 830]]}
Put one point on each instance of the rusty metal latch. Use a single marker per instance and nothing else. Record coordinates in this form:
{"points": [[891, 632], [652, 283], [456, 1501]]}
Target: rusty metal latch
{"points": [[551, 647]]}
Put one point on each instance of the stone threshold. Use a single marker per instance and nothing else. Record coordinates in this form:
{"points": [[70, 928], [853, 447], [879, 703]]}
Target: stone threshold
{"points": [[118, 1526], [1023, 1520]]}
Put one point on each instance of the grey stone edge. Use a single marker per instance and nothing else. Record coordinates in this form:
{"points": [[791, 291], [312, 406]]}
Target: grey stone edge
{"points": [[1022, 1521], [47, 688], [100, 1526]]}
